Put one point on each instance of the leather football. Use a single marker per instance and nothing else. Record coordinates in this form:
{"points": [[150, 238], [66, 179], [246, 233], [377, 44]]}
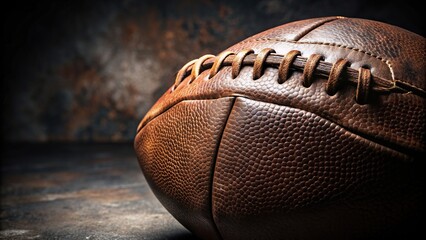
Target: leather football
{"points": [[311, 130]]}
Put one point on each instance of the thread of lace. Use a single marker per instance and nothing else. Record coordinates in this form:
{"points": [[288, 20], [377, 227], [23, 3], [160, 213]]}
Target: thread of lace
{"points": [[237, 63], [336, 73], [259, 63], [182, 73], [363, 87], [197, 66], [334, 79], [308, 71], [218, 63], [284, 67]]}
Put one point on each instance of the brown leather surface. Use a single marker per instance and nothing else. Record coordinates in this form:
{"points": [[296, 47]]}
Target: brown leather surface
{"points": [[282, 171], [405, 129], [294, 161], [177, 153]]}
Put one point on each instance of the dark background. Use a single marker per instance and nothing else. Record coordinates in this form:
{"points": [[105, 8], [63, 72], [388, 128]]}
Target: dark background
{"points": [[90, 70]]}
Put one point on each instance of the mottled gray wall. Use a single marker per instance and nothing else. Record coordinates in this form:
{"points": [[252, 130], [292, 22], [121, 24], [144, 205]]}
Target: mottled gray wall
{"points": [[90, 70]]}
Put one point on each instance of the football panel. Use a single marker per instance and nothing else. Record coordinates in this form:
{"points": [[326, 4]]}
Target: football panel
{"points": [[176, 152], [282, 171]]}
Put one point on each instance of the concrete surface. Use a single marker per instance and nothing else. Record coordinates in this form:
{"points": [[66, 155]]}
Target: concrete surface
{"points": [[79, 191]]}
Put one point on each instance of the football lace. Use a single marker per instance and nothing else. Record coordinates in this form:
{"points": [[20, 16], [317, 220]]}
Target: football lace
{"points": [[337, 73]]}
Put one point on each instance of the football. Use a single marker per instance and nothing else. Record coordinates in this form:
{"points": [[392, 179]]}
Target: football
{"points": [[314, 129]]}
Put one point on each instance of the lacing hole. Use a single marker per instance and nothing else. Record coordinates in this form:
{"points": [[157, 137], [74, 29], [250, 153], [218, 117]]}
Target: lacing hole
{"points": [[330, 93]]}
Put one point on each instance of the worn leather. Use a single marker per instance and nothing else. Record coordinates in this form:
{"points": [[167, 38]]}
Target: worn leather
{"points": [[256, 159]]}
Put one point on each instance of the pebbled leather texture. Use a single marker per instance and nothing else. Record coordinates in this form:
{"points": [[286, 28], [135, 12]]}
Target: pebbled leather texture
{"points": [[310, 179], [256, 159], [178, 152]]}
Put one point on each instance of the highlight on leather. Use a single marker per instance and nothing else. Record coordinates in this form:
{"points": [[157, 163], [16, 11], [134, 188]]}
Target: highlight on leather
{"points": [[337, 73]]}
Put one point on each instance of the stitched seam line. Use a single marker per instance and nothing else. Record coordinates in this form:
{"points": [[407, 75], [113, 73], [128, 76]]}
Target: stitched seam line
{"points": [[247, 97], [316, 25], [213, 168], [382, 59]]}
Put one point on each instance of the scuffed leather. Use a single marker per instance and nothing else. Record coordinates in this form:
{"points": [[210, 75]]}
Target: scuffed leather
{"points": [[293, 162]]}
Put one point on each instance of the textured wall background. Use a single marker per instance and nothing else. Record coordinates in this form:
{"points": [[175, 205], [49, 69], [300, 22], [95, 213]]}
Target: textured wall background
{"points": [[90, 70]]}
